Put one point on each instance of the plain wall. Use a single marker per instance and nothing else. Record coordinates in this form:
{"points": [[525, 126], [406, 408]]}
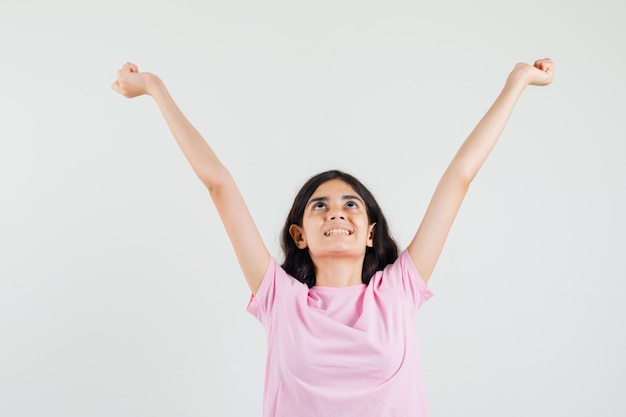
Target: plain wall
{"points": [[119, 292]]}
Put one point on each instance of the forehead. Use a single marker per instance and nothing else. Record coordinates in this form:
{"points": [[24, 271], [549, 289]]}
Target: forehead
{"points": [[334, 187]]}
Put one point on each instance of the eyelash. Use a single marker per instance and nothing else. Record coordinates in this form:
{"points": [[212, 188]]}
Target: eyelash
{"points": [[319, 206]]}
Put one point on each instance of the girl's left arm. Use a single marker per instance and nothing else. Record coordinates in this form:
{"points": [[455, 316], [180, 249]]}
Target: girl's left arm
{"points": [[431, 235]]}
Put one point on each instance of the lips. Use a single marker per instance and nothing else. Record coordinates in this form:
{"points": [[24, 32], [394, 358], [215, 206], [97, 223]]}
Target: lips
{"points": [[335, 232]]}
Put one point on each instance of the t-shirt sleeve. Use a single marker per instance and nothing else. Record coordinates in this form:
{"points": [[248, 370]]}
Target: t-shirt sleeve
{"points": [[277, 286], [402, 276], [262, 302]]}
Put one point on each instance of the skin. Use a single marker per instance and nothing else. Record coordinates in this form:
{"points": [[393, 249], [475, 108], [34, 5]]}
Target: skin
{"points": [[338, 260], [336, 230]]}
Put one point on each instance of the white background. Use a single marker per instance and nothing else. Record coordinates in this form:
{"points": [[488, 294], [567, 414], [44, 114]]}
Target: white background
{"points": [[119, 292]]}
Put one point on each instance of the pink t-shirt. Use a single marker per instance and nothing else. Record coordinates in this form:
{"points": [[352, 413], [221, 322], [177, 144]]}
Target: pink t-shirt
{"points": [[346, 351]]}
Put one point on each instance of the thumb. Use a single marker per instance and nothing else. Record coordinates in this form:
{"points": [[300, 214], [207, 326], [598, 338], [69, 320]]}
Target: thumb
{"points": [[116, 86]]}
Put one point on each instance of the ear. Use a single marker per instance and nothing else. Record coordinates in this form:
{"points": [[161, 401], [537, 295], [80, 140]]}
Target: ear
{"points": [[371, 232], [297, 234]]}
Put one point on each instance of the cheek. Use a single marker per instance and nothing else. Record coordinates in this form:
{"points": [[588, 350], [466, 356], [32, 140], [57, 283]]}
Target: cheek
{"points": [[309, 224]]}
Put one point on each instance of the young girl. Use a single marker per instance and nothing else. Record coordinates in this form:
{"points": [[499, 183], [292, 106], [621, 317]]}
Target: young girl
{"points": [[339, 313]]}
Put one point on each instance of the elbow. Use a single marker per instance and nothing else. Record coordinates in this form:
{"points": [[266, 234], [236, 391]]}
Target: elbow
{"points": [[216, 179], [460, 176]]}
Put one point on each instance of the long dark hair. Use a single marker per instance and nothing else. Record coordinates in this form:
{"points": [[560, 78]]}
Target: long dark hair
{"points": [[298, 262]]}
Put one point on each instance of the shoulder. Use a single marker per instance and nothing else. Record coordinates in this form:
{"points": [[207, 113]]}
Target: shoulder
{"points": [[276, 286], [402, 276]]}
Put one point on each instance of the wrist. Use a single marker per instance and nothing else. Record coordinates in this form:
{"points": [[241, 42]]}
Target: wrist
{"points": [[519, 77], [154, 85]]}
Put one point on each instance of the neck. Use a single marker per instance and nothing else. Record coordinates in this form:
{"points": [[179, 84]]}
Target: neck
{"points": [[338, 271]]}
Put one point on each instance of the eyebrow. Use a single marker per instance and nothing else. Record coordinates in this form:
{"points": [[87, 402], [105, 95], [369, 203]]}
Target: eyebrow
{"points": [[344, 197]]}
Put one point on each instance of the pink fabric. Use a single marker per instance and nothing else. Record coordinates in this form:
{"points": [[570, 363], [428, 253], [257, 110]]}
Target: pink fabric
{"points": [[341, 352]]}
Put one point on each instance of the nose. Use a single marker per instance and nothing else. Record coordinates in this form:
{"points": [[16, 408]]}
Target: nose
{"points": [[336, 214]]}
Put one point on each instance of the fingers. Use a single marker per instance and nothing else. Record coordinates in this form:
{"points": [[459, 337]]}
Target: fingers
{"points": [[545, 65], [122, 74], [131, 67], [126, 68], [130, 82], [120, 77], [542, 72]]}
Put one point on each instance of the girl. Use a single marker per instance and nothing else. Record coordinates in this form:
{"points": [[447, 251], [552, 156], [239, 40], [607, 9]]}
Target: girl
{"points": [[339, 313]]}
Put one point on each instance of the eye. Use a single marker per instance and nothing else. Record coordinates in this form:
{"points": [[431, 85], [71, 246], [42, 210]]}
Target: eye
{"points": [[319, 206], [352, 204]]}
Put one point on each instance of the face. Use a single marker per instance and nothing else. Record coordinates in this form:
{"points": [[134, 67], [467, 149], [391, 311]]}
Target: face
{"points": [[335, 222]]}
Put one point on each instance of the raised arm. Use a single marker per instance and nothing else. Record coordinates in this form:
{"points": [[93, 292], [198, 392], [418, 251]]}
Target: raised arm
{"points": [[428, 242], [251, 252]]}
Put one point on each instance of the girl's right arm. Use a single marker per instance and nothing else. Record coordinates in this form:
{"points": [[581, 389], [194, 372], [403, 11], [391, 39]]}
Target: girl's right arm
{"points": [[250, 250]]}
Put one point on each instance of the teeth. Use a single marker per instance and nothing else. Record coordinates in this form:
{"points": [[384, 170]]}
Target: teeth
{"points": [[337, 232]]}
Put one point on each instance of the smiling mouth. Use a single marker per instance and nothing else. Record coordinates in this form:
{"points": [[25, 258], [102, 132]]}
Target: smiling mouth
{"points": [[334, 232]]}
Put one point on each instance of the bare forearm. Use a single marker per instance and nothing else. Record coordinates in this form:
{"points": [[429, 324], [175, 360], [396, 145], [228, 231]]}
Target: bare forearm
{"points": [[483, 138], [247, 242], [429, 239], [201, 157]]}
